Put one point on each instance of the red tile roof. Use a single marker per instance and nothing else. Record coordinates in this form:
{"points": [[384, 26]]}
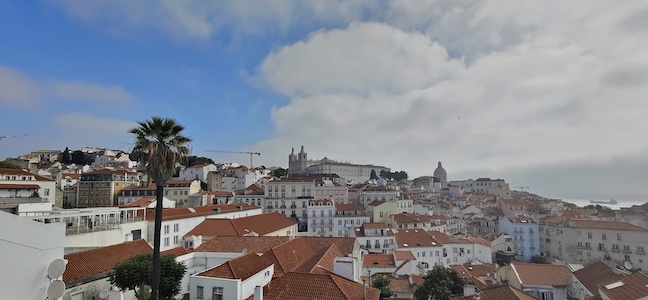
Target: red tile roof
{"points": [[611, 225], [18, 172], [633, 286], [536, 274], [242, 267], [376, 202], [378, 260], [374, 225], [97, 262], [6, 186], [198, 211], [504, 292], [261, 224], [142, 202], [415, 238], [236, 244], [302, 286], [595, 274], [178, 251], [404, 255]]}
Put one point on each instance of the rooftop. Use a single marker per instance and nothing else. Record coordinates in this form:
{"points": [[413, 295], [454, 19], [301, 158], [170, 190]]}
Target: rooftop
{"points": [[316, 286], [536, 274], [242, 267], [260, 224]]}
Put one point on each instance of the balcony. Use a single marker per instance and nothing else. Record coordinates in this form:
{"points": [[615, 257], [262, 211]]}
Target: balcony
{"points": [[615, 249], [270, 207], [641, 252], [282, 206], [627, 251], [21, 200], [293, 206]]}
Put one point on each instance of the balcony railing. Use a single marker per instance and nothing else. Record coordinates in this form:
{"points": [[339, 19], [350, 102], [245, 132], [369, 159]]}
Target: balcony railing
{"points": [[21, 200]]}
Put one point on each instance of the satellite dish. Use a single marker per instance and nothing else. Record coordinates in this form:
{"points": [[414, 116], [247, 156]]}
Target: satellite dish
{"points": [[244, 251], [55, 289], [627, 265], [103, 294], [56, 268]]}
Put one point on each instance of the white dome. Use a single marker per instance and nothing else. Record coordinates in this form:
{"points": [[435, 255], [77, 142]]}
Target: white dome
{"points": [[440, 173]]}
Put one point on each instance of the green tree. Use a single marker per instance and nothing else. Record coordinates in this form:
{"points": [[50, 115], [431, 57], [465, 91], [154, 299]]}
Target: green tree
{"points": [[6, 165], [439, 284], [160, 145], [66, 157], [373, 175], [279, 172], [381, 282], [78, 157], [135, 274], [193, 160]]}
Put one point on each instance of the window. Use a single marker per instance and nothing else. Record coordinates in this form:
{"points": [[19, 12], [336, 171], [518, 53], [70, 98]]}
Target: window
{"points": [[589, 235], [618, 236], [601, 246], [603, 236], [166, 242], [218, 293], [176, 227], [615, 247], [200, 291], [175, 240], [640, 250], [166, 229], [626, 248]]}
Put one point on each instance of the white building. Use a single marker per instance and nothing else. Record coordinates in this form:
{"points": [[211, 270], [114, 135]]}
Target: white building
{"points": [[28, 248], [585, 241], [177, 222], [487, 186], [18, 186], [327, 189], [346, 217], [378, 192], [320, 217], [300, 164], [197, 172], [375, 237]]}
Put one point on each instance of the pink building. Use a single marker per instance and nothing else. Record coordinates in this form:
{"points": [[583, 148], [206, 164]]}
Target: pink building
{"points": [[512, 207]]}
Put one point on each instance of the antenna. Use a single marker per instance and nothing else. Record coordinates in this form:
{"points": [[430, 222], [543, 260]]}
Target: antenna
{"points": [[56, 289], [56, 269]]}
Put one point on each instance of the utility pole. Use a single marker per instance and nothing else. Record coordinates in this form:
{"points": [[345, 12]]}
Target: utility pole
{"points": [[239, 152]]}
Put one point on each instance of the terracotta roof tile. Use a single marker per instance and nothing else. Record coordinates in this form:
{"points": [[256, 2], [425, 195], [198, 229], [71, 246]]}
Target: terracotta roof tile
{"points": [[376, 202], [535, 274], [404, 255], [18, 172], [242, 267], [177, 251], [415, 238], [6, 186], [378, 260], [142, 202], [261, 224], [595, 274], [302, 286], [91, 263], [236, 244], [321, 262], [633, 286], [504, 292], [612, 225], [197, 211]]}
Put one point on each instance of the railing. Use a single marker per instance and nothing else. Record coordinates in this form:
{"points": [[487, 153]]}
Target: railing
{"points": [[20, 200]]}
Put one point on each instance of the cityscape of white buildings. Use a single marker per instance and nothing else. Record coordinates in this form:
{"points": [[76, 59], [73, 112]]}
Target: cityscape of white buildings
{"points": [[323, 222]]}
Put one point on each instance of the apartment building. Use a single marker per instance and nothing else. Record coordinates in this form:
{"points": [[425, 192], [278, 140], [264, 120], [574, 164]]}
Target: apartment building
{"points": [[585, 241], [320, 217], [497, 187], [525, 233], [327, 189], [346, 217], [103, 187], [18, 186], [378, 192], [374, 237]]}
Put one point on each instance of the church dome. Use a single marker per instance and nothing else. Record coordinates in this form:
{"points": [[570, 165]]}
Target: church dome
{"points": [[440, 173]]}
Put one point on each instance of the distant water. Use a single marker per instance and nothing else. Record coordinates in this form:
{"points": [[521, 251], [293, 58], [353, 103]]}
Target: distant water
{"points": [[620, 202]]}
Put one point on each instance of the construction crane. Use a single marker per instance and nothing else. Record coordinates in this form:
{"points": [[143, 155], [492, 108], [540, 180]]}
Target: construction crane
{"points": [[238, 152], [10, 136]]}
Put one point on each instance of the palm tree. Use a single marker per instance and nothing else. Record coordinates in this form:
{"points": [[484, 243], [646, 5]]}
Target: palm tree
{"points": [[160, 146]]}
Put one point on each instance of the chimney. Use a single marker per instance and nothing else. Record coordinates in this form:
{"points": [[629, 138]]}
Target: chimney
{"points": [[364, 290], [469, 290], [258, 293]]}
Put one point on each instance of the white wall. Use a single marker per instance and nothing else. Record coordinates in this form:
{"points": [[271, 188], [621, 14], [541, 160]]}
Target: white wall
{"points": [[104, 238], [27, 248]]}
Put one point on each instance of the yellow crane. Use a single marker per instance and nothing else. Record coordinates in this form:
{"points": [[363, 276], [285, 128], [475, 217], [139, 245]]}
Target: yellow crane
{"points": [[238, 152]]}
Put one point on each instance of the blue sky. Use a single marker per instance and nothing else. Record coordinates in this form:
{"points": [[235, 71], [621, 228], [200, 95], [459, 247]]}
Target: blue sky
{"points": [[549, 95]]}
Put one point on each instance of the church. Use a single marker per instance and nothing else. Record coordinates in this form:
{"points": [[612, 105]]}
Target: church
{"points": [[298, 163]]}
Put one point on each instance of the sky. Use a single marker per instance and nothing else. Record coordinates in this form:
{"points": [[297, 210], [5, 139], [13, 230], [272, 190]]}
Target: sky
{"points": [[549, 95]]}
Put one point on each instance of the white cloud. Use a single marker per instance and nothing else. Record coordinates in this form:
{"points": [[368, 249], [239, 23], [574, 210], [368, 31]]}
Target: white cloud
{"points": [[372, 93], [92, 124], [16, 89], [89, 91]]}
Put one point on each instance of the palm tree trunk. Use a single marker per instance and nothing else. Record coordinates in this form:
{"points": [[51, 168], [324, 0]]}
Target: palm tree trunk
{"points": [[155, 270]]}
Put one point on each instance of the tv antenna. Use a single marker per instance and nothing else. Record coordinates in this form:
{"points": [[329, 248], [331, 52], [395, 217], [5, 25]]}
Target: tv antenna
{"points": [[238, 152]]}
